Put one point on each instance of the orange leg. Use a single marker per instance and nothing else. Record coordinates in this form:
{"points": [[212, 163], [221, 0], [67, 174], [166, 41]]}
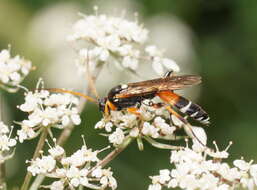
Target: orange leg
{"points": [[134, 110], [173, 112], [171, 98], [109, 106]]}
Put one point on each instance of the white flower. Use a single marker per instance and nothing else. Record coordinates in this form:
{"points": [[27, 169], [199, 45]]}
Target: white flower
{"points": [[176, 121], [76, 170], [57, 185], [164, 176], [76, 176], [200, 139], [6, 142], [150, 130], [26, 131], [165, 129], [117, 137], [42, 165], [134, 132], [253, 172], [89, 154], [160, 64], [218, 153], [56, 151], [98, 172], [45, 109], [155, 187], [193, 170], [129, 62], [107, 180], [80, 157], [170, 64], [13, 70], [110, 37], [105, 176], [108, 126], [148, 125], [208, 181], [223, 187], [242, 165]]}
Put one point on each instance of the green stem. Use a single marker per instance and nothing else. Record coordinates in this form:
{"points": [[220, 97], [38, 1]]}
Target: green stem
{"points": [[39, 147], [37, 182], [161, 145], [2, 165], [113, 154], [2, 177]]}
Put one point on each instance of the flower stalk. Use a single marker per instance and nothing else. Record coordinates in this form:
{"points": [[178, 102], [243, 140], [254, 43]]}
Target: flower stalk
{"points": [[39, 147], [2, 177], [114, 153], [37, 182], [2, 165]]}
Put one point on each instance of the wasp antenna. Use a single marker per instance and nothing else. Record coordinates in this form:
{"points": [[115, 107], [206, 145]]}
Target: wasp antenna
{"points": [[73, 93], [90, 78]]}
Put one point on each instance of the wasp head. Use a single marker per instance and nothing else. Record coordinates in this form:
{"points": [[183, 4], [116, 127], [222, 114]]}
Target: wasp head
{"points": [[101, 103]]}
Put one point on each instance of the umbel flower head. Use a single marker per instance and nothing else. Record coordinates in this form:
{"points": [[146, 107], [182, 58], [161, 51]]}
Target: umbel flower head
{"points": [[79, 169], [194, 170], [116, 40], [151, 124], [46, 110], [12, 70]]}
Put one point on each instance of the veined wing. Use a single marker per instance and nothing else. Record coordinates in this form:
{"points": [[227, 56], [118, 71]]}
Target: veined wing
{"points": [[159, 84]]}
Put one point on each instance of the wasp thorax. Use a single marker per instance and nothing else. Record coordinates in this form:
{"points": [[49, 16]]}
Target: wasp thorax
{"points": [[115, 90]]}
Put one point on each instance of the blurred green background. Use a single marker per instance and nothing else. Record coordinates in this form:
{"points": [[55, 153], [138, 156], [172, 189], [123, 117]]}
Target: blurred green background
{"points": [[215, 39]]}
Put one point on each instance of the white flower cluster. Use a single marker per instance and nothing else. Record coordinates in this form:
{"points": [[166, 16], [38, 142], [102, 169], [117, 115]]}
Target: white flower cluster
{"points": [[6, 142], [12, 70], [159, 63], [193, 171], [114, 39], [73, 171], [46, 109], [153, 123]]}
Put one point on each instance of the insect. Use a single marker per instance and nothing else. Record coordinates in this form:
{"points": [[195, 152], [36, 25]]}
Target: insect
{"points": [[130, 96]]}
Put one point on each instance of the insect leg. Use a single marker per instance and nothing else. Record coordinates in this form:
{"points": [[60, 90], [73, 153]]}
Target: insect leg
{"points": [[108, 107], [134, 110], [173, 112], [187, 127], [185, 106]]}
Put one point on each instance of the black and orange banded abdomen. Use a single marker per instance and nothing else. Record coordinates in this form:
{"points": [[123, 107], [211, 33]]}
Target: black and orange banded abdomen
{"points": [[185, 106]]}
